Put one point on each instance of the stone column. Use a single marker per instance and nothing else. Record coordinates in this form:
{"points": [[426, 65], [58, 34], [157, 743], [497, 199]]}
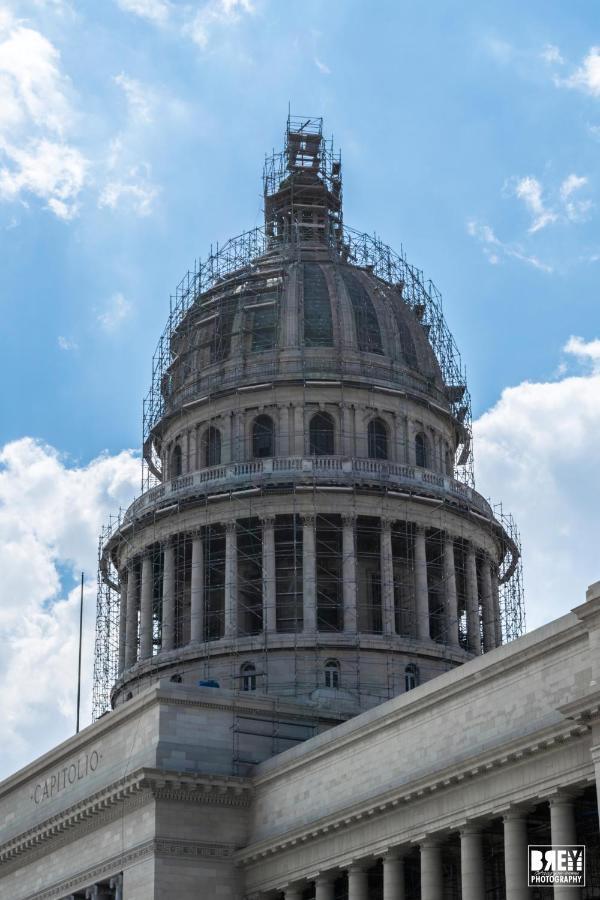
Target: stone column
{"points": [[227, 445], [193, 461], [393, 876], [284, 430], [122, 619], [471, 864], [450, 587], [487, 606], [349, 573], [197, 590], [473, 632], [431, 870], [231, 598], [298, 435], [238, 450], [116, 883], [324, 887], [293, 892], [496, 605], [404, 449], [421, 586], [146, 604], [347, 431], [269, 583], [387, 577], [562, 825], [515, 855], [358, 882], [309, 573], [168, 597], [131, 625]]}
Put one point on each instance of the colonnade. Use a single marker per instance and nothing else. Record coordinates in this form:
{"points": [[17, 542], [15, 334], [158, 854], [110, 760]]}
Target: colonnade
{"points": [[480, 598], [472, 863]]}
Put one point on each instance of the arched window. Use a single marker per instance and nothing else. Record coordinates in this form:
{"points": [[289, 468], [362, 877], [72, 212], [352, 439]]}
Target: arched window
{"points": [[332, 673], [411, 677], [321, 435], [378, 442], [212, 447], [248, 673], [421, 450], [263, 437], [176, 462]]}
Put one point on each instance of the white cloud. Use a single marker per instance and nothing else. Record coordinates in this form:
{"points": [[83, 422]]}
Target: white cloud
{"points": [[529, 190], [117, 311], [214, 14], [536, 449], [50, 516], [551, 54], [138, 195], [32, 88], [322, 67], [575, 210], [495, 249], [35, 120], [139, 97], [570, 184], [586, 351], [156, 11], [67, 343], [587, 77], [52, 171]]}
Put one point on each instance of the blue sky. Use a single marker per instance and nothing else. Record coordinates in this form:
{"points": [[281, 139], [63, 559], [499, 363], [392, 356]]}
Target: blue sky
{"points": [[132, 136], [440, 111]]}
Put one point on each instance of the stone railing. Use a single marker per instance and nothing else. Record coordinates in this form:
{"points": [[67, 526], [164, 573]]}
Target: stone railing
{"points": [[306, 470]]}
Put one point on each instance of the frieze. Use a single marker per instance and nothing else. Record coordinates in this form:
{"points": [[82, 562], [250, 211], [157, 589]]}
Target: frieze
{"points": [[66, 776], [154, 847], [226, 791]]}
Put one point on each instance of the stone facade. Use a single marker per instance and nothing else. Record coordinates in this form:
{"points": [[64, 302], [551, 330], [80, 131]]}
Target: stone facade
{"points": [[432, 795]]}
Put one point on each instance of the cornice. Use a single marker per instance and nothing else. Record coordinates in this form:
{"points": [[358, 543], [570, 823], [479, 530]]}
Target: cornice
{"points": [[146, 784], [459, 774], [159, 846], [445, 688]]}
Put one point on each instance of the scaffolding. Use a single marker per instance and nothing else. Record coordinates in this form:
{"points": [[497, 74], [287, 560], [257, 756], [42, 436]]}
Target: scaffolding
{"points": [[303, 208]]}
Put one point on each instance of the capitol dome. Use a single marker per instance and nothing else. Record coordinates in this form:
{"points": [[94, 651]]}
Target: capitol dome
{"points": [[309, 526]]}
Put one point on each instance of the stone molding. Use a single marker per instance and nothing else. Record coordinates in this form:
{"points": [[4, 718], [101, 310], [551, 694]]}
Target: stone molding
{"points": [[514, 752], [159, 846], [151, 783], [432, 693]]}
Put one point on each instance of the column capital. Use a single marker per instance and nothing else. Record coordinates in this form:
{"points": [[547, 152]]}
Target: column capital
{"points": [[324, 878], [420, 529], [349, 520], [231, 527], [386, 523], [357, 868], [430, 843], [267, 521], [516, 813], [563, 796], [395, 853], [309, 520]]}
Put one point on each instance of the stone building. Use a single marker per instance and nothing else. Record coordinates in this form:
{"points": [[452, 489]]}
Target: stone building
{"points": [[309, 679]]}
